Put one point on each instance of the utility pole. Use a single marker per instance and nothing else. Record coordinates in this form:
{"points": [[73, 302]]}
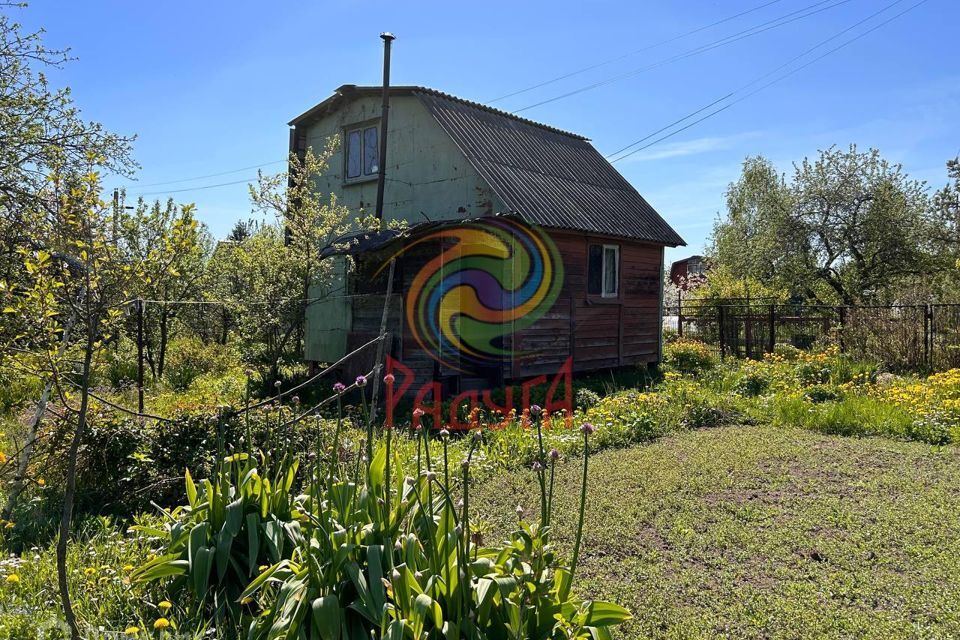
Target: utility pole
{"points": [[387, 38]]}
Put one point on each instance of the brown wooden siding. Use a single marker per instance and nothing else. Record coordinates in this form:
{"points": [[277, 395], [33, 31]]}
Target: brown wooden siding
{"points": [[603, 332], [597, 332]]}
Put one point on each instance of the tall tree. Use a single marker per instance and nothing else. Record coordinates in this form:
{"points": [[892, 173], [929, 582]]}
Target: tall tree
{"points": [[848, 227], [76, 285], [172, 248], [41, 134]]}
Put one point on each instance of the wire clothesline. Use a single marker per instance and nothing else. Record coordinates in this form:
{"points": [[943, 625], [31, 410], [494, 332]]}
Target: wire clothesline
{"points": [[276, 398], [245, 303]]}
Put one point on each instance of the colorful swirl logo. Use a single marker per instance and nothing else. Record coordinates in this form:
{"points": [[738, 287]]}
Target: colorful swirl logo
{"points": [[491, 278]]}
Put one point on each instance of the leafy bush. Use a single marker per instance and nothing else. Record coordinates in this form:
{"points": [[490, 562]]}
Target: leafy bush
{"points": [[812, 373], [751, 384], [688, 356], [126, 466], [118, 367], [586, 399], [16, 389], [821, 393], [188, 358]]}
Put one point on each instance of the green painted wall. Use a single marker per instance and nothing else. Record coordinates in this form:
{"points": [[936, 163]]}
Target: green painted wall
{"points": [[427, 178]]}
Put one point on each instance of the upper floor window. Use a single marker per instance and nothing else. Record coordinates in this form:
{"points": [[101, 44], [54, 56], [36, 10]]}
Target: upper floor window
{"points": [[362, 152], [603, 270]]}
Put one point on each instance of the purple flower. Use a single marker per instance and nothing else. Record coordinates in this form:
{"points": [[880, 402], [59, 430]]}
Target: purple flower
{"points": [[339, 388], [535, 410], [586, 428], [554, 454], [361, 381], [537, 466]]}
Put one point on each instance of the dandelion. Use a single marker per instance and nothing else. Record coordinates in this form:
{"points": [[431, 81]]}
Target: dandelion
{"points": [[339, 388], [161, 623], [13, 579], [164, 605], [132, 630]]}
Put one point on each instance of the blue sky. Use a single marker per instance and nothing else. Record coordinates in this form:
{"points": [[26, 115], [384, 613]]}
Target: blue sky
{"points": [[208, 86]]}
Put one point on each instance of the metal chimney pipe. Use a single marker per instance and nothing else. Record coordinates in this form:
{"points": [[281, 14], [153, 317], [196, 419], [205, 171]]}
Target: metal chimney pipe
{"points": [[387, 38]]}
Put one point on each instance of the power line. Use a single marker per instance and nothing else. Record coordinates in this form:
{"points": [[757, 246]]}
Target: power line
{"points": [[631, 53], [782, 77], [736, 37], [755, 80], [209, 175], [200, 188]]}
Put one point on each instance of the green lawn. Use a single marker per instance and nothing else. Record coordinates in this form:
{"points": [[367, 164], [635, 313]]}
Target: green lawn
{"points": [[760, 532]]}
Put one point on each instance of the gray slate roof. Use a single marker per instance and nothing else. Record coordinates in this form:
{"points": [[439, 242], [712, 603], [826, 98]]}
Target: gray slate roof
{"points": [[549, 177]]}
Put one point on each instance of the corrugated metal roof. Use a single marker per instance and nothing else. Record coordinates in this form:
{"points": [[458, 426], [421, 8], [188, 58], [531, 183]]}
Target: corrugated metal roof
{"points": [[548, 176]]}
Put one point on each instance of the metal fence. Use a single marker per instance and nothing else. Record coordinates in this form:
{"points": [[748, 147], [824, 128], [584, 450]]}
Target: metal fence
{"points": [[923, 337]]}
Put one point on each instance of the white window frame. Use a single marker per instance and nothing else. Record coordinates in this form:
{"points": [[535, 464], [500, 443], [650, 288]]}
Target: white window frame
{"points": [[360, 129], [616, 272]]}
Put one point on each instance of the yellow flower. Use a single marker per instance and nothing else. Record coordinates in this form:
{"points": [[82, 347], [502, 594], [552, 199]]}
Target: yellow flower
{"points": [[128, 568], [13, 578], [161, 623], [9, 525], [89, 571], [3, 457], [41, 482], [164, 605], [132, 630]]}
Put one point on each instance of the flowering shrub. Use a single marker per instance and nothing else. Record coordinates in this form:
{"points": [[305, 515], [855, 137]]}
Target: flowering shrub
{"points": [[821, 393], [688, 356], [752, 383]]}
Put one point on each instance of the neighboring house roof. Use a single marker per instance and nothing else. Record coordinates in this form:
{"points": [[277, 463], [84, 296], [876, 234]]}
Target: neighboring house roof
{"points": [[688, 259], [549, 177]]}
